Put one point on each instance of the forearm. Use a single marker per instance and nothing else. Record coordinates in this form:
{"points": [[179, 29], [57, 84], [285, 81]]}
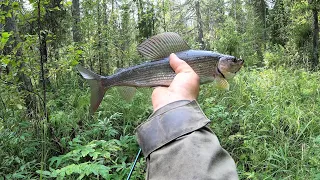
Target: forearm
{"points": [[178, 145]]}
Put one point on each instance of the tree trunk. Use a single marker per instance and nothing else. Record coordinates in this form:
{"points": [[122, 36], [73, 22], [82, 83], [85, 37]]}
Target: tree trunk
{"points": [[260, 10], [105, 36], [199, 26], [164, 16], [76, 21], [315, 58], [43, 59], [146, 19], [264, 19], [99, 37]]}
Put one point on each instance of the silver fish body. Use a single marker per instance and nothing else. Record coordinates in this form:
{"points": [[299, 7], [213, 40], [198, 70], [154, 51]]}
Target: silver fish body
{"points": [[210, 66], [160, 73]]}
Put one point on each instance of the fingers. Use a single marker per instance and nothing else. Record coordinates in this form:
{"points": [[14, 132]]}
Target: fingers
{"points": [[179, 65], [185, 85]]}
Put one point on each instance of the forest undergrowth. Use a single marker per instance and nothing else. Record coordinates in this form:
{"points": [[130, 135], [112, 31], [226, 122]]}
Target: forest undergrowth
{"points": [[268, 121]]}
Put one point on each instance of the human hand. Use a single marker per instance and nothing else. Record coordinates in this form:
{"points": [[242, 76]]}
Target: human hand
{"points": [[185, 85]]}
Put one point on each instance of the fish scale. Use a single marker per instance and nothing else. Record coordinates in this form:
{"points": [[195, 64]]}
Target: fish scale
{"points": [[150, 73]]}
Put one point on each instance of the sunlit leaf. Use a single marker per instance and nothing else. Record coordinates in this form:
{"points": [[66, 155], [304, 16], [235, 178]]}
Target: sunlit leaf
{"points": [[79, 51], [5, 35], [5, 60], [74, 62], [69, 3], [6, 2], [56, 8], [15, 5], [47, 173], [9, 15]]}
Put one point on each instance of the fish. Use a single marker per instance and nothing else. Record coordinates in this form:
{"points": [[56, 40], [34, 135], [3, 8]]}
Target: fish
{"points": [[210, 66]]}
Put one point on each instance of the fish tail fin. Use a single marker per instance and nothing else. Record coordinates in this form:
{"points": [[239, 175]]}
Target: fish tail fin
{"points": [[97, 88]]}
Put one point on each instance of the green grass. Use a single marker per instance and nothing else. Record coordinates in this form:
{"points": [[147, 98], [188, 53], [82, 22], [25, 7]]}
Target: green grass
{"points": [[269, 121]]}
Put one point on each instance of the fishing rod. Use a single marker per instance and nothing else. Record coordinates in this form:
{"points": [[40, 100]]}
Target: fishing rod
{"points": [[134, 164]]}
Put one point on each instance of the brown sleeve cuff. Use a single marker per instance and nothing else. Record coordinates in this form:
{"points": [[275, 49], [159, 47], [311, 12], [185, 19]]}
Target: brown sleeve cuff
{"points": [[168, 123]]}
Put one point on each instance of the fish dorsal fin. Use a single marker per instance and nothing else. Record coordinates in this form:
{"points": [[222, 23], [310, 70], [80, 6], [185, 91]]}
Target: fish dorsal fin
{"points": [[162, 45]]}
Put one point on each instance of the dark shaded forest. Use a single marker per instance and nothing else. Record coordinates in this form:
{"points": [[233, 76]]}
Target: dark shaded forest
{"points": [[269, 120]]}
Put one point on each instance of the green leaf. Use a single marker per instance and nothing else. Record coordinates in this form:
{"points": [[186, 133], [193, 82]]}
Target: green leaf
{"points": [[15, 5], [81, 177], [18, 175], [5, 60], [53, 159], [74, 62], [79, 51], [9, 15], [317, 140], [19, 106], [6, 2], [2, 19], [69, 169], [95, 155], [15, 49], [57, 8], [69, 3], [86, 151], [5, 35], [47, 173]]}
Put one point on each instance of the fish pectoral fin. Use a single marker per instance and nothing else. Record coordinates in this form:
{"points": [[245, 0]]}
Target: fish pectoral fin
{"points": [[222, 83], [162, 45], [127, 93]]}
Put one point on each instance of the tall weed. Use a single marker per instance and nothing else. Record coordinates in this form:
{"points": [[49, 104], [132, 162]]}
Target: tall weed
{"points": [[269, 122]]}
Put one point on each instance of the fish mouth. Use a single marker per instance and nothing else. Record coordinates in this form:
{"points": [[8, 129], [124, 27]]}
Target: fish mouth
{"points": [[241, 62]]}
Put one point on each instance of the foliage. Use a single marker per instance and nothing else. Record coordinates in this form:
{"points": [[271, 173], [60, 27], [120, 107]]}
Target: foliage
{"points": [[268, 121], [97, 158]]}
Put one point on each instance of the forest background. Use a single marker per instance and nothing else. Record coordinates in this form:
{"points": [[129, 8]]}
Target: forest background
{"points": [[269, 121]]}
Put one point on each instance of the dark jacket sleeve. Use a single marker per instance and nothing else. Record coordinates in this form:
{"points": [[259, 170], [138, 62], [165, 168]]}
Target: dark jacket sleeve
{"points": [[178, 145]]}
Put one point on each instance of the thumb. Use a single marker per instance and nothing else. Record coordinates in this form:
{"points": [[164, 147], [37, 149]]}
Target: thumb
{"points": [[179, 65]]}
